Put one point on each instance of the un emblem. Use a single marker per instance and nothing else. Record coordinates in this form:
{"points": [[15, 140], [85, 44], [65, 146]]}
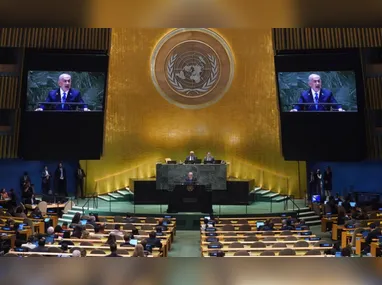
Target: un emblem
{"points": [[192, 68]]}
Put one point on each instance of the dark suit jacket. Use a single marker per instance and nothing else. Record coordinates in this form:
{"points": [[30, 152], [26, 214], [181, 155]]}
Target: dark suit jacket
{"points": [[73, 96], [190, 181], [209, 160], [78, 176], [154, 242], [326, 96], [44, 180], [189, 158], [57, 173], [40, 249], [372, 235], [24, 180]]}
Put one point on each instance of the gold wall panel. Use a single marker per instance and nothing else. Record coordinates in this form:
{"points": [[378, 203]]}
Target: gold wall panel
{"points": [[142, 128]]}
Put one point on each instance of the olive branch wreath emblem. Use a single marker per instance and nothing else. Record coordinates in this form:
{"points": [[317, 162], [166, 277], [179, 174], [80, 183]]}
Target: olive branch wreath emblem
{"points": [[206, 86]]}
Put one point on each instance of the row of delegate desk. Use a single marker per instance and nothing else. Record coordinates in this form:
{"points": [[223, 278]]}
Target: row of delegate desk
{"points": [[99, 244], [254, 241], [346, 235]]}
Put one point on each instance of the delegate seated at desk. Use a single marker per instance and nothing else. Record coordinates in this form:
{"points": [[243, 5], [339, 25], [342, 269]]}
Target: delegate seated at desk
{"points": [[191, 157], [209, 158]]}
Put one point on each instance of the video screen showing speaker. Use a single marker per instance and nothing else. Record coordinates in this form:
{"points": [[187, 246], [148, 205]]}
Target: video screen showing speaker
{"points": [[63, 103], [317, 91], [321, 99], [65, 91]]}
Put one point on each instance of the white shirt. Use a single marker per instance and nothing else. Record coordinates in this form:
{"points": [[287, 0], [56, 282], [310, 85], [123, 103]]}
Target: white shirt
{"points": [[29, 245], [62, 173], [62, 95], [314, 95]]}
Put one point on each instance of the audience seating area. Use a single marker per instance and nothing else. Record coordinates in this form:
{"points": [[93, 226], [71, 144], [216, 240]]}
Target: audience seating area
{"points": [[100, 236]]}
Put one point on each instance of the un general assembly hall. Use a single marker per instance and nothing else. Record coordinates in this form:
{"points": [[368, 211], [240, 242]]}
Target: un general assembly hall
{"points": [[248, 144]]}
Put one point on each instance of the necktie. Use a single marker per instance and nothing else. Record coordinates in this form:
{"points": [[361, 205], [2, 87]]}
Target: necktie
{"points": [[63, 100], [316, 99]]}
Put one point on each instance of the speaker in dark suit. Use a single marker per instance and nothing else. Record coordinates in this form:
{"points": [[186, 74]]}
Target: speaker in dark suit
{"points": [[310, 100], [60, 182]]}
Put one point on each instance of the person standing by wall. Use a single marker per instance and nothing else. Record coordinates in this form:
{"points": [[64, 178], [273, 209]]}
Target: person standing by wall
{"points": [[328, 181]]}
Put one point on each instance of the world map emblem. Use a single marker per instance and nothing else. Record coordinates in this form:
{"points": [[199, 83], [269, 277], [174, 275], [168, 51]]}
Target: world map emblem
{"points": [[192, 68]]}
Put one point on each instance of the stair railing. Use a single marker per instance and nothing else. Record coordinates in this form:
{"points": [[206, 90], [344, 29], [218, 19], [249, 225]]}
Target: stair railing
{"points": [[87, 203], [286, 204]]}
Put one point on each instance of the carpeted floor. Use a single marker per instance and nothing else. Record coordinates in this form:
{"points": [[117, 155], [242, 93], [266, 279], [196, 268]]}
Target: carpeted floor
{"points": [[186, 244]]}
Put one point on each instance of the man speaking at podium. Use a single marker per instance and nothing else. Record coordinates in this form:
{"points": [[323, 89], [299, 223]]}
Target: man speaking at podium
{"points": [[190, 179], [316, 95], [64, 94]]}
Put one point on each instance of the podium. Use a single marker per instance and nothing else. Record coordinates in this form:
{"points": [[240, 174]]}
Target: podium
{"points": [[190, 198]]}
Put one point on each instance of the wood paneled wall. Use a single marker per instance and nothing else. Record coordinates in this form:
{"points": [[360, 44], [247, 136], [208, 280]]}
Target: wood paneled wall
{"points": [[326, 38], [337, 38], [47, 38]]}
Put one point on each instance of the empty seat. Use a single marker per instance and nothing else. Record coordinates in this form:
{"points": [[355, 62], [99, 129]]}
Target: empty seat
{"points": [[135, 220], [142, 233], [287, 251], [290, 238], [89, 227], [109, 226], [301, 243], [267, 253], [151, 220], [228, 228], [230, 234], [102, 219], [147, 227], [245, 228], [119, 219], [243, 221], [122, 252], [279, 245], [54, 249], [224, 222], [268, 233], [241, 253], [251, 238], [270, 239], [128, 227], [236, 245], [276, 220], [258, 244], [86, 243], [230, 239], [97, 251], [313, 252], [286, 233]]}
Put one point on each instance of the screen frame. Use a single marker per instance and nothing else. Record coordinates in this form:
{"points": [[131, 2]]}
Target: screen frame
{"points": [[86, 61], [343, 60], [321, 140]]}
